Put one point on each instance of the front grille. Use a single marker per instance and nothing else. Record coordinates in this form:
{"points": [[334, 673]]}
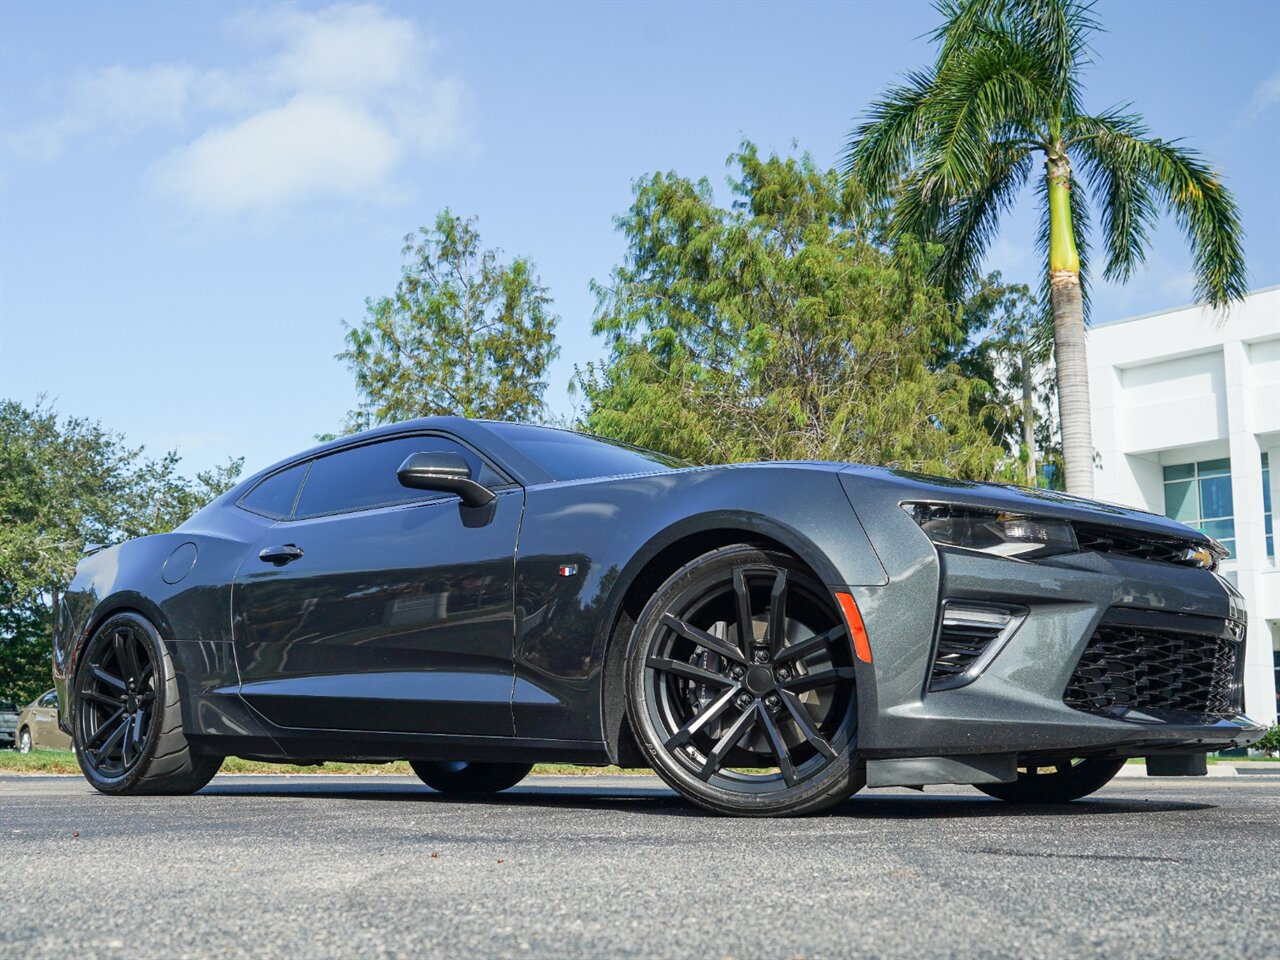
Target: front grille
{"points": [[967, 638], [1131, 543], [1160, 663]]}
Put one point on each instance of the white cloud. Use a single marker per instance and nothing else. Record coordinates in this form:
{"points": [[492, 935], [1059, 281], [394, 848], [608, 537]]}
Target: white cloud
{"points": [[1265, 96], [314, 145], [339, 98]]}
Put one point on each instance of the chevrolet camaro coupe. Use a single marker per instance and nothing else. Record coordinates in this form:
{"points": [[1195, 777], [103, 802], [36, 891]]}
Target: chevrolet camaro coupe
{"points": [[475, 597]]}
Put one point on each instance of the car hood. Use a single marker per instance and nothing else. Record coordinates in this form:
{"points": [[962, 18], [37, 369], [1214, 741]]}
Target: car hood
{"points": [[1026, 500]]}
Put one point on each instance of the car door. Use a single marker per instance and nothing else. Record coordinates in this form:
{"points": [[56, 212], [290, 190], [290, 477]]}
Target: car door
{"points": [[379, 608], [45, 734]]}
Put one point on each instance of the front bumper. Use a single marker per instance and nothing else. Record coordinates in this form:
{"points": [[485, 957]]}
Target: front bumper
{"points": [[1015, 704]]}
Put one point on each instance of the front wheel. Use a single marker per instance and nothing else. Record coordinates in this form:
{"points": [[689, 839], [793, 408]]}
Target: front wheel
{"points": [[126, 718], [1056, 781], [24, 741], [740, 686], [459, 776]]}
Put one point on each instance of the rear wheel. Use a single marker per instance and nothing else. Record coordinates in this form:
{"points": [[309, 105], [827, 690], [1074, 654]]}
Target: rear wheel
{"points": [[1056, 781], [460, 776], [740, 686], [127, 718]]}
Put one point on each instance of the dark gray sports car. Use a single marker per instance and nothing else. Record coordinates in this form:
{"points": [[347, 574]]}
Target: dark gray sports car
{"points": [[475, 597]]}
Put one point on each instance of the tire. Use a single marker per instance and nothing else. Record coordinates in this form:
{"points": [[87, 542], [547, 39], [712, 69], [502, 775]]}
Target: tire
{"points": [[1058, 781], [458, 776], [24, 741], [126, 715], [761, 728]]}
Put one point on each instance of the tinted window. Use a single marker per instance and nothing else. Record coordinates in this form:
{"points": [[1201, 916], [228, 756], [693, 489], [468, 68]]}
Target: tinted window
{"points": [[275, 495], [576, 456], [365, 476], [50, 699]]}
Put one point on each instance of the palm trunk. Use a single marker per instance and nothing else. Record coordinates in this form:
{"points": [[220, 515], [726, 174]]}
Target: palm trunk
{"points": [[1028, 416], [1068, 331]]}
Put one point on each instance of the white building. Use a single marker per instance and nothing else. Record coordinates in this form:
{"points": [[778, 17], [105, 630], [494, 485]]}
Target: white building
{"points": [[1186, 422]]}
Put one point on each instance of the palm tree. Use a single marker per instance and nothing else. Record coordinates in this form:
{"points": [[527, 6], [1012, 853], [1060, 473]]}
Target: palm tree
{"points": [[955, 144]]}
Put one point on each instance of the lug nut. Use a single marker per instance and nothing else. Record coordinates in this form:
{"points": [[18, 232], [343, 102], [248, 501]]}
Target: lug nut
{"points": [[744, 700], [739, 672], [762, 656], [773, 702], [784, 673]]}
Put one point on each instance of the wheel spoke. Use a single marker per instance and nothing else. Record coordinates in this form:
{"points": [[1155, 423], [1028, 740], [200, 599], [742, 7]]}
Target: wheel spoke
{"points": [[819, 678], [695, 723], [779, 747], [742, 600], [689, 670], [777, 633], [703, 639], [715, 759], [114, 740], [108, 679], [130, 664], [102, 698], [101, 732], [809, 646], [802, 720]]}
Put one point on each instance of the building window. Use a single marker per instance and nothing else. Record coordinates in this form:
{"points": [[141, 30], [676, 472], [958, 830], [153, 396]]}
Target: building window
{"points": [[1266, 507], [1199, 495]]}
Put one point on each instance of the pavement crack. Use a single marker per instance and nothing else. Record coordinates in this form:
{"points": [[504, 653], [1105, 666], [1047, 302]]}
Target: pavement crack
{"points": [[1045, 855]]}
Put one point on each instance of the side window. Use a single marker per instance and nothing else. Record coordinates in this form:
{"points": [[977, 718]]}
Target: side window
{"points": [[365, 476], [50, 699], [275, 495]]}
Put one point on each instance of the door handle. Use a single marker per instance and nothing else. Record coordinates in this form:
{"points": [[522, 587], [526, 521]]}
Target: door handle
{"points": [[281, 555]]}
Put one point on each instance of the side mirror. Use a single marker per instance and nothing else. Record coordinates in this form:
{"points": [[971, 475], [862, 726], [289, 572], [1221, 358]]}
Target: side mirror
{"points": [[447, 472]]}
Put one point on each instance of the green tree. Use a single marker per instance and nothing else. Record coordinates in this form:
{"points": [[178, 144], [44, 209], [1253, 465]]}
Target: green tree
{"points": [[1015, 339], [464, 333], [64, 484], [956, 143], [778, 328]]}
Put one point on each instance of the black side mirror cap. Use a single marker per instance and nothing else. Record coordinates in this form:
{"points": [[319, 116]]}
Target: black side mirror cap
{"points": [[446, 472]]}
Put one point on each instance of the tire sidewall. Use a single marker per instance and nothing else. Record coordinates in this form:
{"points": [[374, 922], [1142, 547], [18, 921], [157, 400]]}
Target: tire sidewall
{"points": [[25, 743], [834, 783], [166, 694]]}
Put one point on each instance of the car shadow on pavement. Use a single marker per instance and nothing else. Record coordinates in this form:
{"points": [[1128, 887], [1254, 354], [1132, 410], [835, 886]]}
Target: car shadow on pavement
{"points": [[659, 801]]}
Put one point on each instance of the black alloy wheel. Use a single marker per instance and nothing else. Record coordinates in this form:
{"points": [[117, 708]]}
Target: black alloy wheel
{"points": [[126, 716], [741, 686], [461, 776], [117, 700], [1057, 780]]}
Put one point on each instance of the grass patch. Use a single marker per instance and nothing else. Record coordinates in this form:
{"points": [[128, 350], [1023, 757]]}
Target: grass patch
{"points": [[64, 761]]}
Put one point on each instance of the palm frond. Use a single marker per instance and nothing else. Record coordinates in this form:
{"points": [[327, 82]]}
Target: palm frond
{"points": [[1126, 158], [1057, 31], [880, 149]]}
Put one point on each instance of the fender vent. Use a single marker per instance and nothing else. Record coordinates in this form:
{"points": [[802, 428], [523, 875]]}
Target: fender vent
{"points": [[969, 636]]}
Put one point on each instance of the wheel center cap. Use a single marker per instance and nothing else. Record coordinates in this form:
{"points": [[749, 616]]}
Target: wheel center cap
{"points": [[759, 680]]}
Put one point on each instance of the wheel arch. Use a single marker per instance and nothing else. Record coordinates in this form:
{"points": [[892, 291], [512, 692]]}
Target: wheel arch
{"points": [[658, 559], [126, 601]]}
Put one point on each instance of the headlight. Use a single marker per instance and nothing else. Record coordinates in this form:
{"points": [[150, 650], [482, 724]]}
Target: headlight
{"points": [[1003, 534]]}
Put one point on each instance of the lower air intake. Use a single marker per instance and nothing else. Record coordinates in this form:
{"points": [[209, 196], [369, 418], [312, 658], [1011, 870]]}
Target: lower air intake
{"points": [[1155, 663], [969, 636]]}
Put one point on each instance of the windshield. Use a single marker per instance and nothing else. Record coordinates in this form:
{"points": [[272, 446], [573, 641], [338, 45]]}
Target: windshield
{"points": [[576, 456]]}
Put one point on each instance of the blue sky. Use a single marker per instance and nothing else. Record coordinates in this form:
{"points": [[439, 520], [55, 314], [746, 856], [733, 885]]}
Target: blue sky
{"points": [[193, 196]]}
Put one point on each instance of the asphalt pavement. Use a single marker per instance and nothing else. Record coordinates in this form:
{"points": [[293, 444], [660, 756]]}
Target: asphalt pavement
{"points": [[320, 867]]}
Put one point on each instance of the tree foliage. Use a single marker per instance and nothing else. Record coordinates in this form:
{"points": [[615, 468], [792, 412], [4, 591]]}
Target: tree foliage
{"points": [[779, 327], [64, 484], [464, 333]]}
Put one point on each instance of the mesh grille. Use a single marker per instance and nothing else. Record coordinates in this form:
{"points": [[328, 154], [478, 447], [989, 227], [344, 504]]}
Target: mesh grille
{"points": [[1145, 667], [1129, 543]]}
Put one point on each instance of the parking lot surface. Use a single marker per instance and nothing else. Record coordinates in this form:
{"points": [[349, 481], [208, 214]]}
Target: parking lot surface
{"points": [[323, 867]]}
